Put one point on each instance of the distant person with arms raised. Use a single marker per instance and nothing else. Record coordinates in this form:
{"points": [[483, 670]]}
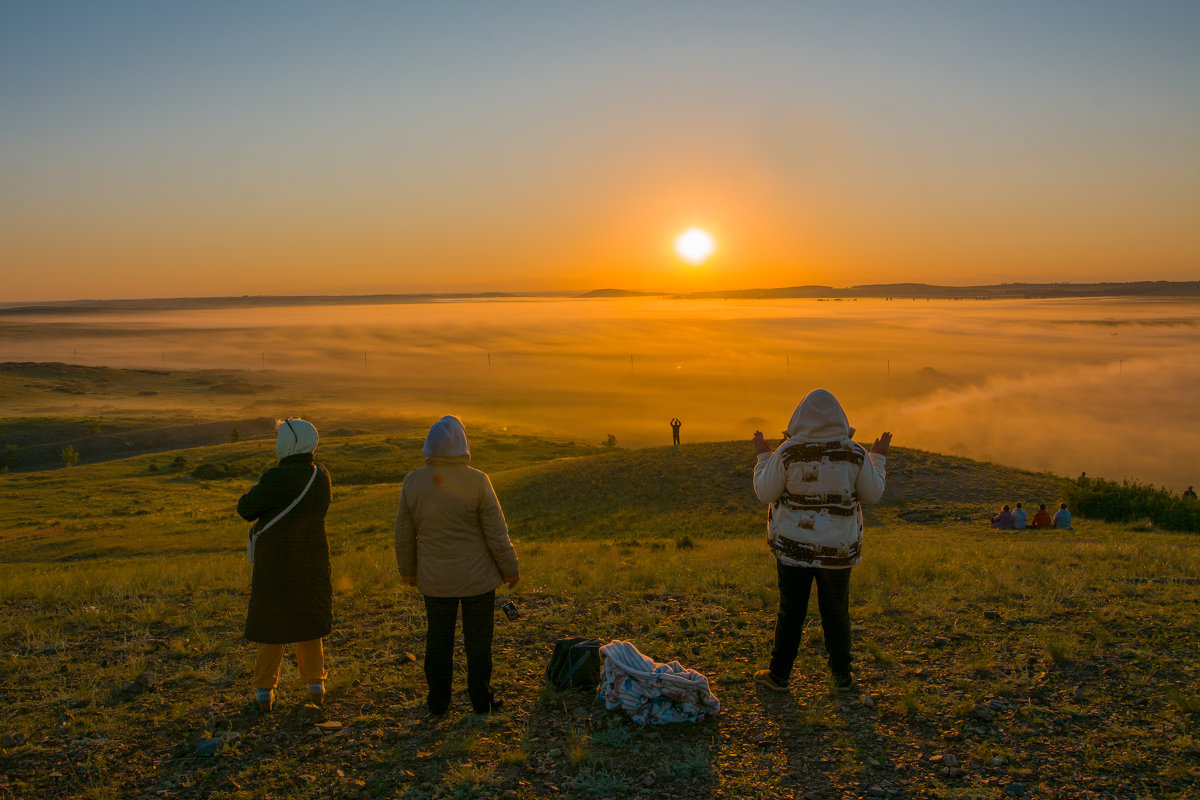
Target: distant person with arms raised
{"points": [[1042, 519], [452, 544], [1018, 518], [1003, 520], [675, 425], [814, 482], [291, 593], [1062, 517], [1189, 493]]}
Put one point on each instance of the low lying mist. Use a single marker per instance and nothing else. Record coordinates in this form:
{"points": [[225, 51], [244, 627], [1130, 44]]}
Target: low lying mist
{"points": [[1103, 386]]}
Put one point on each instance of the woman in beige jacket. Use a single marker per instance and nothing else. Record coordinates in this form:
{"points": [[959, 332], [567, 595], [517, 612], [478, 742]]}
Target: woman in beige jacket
{"points": [[452, 544]]}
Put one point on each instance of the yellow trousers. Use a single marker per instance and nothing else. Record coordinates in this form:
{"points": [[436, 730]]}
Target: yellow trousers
{"points": [[310, 661]]}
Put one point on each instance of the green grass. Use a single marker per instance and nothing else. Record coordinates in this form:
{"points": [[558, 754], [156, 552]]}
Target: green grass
{"points": [[114, 569]]}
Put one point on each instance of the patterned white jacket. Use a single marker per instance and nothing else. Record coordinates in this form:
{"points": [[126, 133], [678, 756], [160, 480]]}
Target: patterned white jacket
{"points": [[815, 482]]}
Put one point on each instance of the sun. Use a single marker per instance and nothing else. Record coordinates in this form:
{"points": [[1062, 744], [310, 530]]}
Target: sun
{"points": [[695, 245]]}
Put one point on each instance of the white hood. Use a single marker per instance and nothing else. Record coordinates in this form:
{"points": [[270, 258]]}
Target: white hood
{"points": [[447, 439], [819, 418], [295, 436]]}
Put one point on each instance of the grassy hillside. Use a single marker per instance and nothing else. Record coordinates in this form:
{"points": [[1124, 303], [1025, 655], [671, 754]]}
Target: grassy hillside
{"points": [[991, 664]]}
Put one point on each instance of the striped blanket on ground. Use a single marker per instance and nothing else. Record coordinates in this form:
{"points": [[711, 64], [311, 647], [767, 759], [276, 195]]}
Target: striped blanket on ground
{"points": [[652, 693]]}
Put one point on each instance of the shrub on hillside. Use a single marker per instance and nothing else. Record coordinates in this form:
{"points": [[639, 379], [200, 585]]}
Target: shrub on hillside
{"points": [[1130, 501], [215, 471]]}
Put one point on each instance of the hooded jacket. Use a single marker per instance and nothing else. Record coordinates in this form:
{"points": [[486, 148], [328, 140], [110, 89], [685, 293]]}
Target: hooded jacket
{"points": [[450, 531], [815, 482]]}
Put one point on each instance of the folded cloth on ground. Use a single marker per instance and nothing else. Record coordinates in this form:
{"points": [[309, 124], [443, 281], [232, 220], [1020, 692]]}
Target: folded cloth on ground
{"points": [[652, 693]]}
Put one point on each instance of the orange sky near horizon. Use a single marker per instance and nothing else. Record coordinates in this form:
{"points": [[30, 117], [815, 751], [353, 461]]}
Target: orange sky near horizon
{"points": [[228, 151]]}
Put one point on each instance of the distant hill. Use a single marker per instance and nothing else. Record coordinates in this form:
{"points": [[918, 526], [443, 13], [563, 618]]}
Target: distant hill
{"points": [[878, 290]]}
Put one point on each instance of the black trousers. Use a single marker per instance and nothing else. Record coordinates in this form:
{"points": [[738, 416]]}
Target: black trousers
{"points": [[478, 615], [833, 600]]}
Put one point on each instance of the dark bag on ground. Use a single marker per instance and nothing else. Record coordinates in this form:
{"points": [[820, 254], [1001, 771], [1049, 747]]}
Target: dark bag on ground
{"points": [[575, 664]]}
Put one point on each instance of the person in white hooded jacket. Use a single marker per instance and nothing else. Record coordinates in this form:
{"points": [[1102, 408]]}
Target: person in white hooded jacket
{"points": [[815, 483]]}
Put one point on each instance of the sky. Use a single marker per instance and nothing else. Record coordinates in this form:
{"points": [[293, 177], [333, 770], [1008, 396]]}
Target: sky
{"points": [[152, 149]]}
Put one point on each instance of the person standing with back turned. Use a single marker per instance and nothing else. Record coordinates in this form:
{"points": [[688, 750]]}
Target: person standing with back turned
{"points": [[291, 591], [452, 544], [815, 481]]}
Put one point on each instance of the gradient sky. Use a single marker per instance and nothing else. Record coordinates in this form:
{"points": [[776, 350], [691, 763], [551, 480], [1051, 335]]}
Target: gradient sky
{"points": [[220, 148]]}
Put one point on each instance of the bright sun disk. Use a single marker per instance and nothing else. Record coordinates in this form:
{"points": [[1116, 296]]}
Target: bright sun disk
{"points": [[695, 245]]}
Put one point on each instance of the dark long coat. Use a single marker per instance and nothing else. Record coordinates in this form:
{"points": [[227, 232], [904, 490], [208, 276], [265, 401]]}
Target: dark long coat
{"points": [[291, 594]]}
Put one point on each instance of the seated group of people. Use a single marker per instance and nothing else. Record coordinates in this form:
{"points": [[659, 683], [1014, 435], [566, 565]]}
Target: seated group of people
{"points": [[1010, 519]]}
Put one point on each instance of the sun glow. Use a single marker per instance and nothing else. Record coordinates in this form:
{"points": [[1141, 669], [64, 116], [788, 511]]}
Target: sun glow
{"points": [[695, 245]]}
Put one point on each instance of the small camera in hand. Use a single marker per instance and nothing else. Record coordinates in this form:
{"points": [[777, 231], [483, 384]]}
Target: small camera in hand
{"points": [[511, 611]]}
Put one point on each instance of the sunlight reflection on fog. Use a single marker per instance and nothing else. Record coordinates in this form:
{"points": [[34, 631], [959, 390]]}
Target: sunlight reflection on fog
{"points": [[1106, 386]]}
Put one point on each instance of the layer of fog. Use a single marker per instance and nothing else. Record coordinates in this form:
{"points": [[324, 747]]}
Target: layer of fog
{"points": [[1106, 386]]}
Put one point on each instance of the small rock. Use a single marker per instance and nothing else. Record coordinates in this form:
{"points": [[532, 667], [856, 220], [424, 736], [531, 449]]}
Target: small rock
{"points": [[147, 681], [367, 707], [953, 772], [311, 713], [306, 778], [950, 760], [130, 687], [206, 747], [941, 640], [1079, 695], [868, 701], [991, 614], [998, 761], [328, 727], [876, 791], [649, 779], [982, 712], [409, 657], [1015, 789], [760, 738], [936, 758]]}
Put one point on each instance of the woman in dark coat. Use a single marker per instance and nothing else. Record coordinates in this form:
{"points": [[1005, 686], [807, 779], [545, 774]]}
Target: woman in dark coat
{"points": [[291, 594]]}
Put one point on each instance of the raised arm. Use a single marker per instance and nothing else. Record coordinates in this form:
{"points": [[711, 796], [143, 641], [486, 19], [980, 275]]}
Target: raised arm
{"points": [[769, 475], [871, 477]]}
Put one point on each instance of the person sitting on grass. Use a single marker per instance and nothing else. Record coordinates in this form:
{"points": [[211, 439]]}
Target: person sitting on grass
{"points": [[1042, 518], [1018, 518], [1003, 520], [814, 482], [291, 591], [1062, 517]]}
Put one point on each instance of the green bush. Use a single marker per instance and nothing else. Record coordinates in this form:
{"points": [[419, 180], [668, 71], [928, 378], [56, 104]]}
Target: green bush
{"points": [[215, 471], [70, 457], [1130, 501]]}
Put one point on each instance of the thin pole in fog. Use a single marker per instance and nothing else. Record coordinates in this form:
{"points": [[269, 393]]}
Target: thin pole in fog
{"points": [[164, 359], [1121, 366], [789, 364], [76, 359], [264, 361]]}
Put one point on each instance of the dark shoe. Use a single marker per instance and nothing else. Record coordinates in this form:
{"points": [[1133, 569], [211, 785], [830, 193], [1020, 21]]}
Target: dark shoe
{"points": [[844, 682], [764, 677], [495, 704]]}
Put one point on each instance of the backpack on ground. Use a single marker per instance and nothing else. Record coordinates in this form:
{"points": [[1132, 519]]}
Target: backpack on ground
{"points": [[574, 664]]}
